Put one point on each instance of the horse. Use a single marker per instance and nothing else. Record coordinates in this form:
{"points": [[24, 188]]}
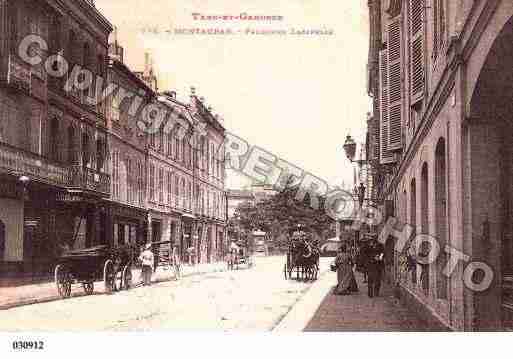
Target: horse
{"points": [[306, 258]]}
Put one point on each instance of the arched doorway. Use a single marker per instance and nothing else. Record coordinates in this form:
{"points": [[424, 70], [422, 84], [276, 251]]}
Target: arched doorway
{"points": [[488, 143]]}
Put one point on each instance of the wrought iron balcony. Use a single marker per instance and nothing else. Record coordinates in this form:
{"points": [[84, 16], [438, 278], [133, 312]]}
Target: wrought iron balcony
{"points": [[17, 161], [91, 180]]}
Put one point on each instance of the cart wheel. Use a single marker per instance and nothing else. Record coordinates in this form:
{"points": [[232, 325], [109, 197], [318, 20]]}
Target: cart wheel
{"points": [[126, 278], [88, 287], [109, 276], [62, 281]]}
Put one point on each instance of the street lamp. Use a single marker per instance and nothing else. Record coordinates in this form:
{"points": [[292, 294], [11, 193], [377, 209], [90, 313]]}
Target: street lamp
{"points": [[350, 148]]}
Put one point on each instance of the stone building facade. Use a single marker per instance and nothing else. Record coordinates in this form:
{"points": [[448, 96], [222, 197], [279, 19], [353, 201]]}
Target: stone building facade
{"points": [[51, 138], [440, 74], [75, 172]]}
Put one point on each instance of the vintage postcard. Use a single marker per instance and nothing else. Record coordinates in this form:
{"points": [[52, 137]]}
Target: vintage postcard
{"points": [[285, 166]]}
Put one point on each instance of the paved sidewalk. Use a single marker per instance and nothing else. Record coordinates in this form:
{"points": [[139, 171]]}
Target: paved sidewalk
{"points": [[321, 310], [16, 296]]}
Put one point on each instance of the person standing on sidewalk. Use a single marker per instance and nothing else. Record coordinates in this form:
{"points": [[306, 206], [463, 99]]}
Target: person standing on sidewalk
{"points": [[375, 254], [346, 282], [147, 260]]}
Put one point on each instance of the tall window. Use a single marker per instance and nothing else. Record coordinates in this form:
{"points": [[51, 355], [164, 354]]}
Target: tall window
{"points": [[424, 206], [13, 26], [129, 176], [184, 151], [170, 144], [71, 144], [100, 154], [439, 26], [85, 150], [54, 139], [152, 182], [413, 222], [140, 183], [161, 185], [169, 187], [441, 217], [178, 149], [189, 195], [184, 194], [115, 174], [71, 46], [177, 191]]}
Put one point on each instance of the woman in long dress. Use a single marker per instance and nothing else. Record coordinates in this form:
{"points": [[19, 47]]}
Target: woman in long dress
{"points": [[346, 282]]}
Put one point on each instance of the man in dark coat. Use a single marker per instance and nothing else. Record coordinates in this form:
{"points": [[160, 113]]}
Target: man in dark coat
{"points": [[375, 265]]}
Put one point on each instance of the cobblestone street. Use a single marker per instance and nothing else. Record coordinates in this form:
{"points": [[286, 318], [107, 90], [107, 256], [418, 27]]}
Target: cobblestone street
{"points": [[245, 299]]}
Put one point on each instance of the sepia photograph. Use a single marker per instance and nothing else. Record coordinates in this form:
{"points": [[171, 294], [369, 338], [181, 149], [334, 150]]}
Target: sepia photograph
{"points": [[277, 170]]}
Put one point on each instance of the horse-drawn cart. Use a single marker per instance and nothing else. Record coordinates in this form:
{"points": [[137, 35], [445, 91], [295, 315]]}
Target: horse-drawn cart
{"points": [[239, 255], [100, 263], [303, 258], [166, 256]]}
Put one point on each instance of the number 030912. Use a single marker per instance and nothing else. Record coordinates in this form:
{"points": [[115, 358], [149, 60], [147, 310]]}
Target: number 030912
{"points": [[27, 345]]}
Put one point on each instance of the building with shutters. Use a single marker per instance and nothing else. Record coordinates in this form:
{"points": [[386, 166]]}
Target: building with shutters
{"points": [[126, 208], [54, 139], [440, 146]]}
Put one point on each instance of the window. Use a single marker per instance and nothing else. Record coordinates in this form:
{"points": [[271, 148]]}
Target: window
{"points": [[413, 222], [177, 191], [115, 174], [184, 194], [54, 139], [438, 26], [71, 46], [184, 151], [178, 149], [416, 49], [424, 207], [13, 27], [141, 183], [71, 144], [169, 188], [441, 217], [161, 185], [85, 150], [129, 190], [189, 195], [170, 144], [100, 154], [152, 182]]}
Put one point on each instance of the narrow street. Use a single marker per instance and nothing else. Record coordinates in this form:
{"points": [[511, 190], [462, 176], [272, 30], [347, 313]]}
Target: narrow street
{"points": [[244, 299]]}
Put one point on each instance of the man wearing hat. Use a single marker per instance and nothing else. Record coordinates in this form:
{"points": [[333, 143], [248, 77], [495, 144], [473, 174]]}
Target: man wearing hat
{"points": [[147, 260]]}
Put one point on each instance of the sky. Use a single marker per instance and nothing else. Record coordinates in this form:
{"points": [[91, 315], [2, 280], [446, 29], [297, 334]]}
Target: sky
{"points": [[296, 96]]}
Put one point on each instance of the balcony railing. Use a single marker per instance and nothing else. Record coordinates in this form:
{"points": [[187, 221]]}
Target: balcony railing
{"points": [[19, 162], [19, 74], [86, 178]]}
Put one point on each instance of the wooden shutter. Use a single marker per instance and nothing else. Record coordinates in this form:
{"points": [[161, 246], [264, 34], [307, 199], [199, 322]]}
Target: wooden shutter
{"points": [[395, 86], [384, 156], [416, 50]]}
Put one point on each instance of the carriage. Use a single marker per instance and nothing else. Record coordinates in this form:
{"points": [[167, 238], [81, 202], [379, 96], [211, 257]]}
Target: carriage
{"points": [[239, 254], [303, 259], [111, 265], [166, 256]]}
